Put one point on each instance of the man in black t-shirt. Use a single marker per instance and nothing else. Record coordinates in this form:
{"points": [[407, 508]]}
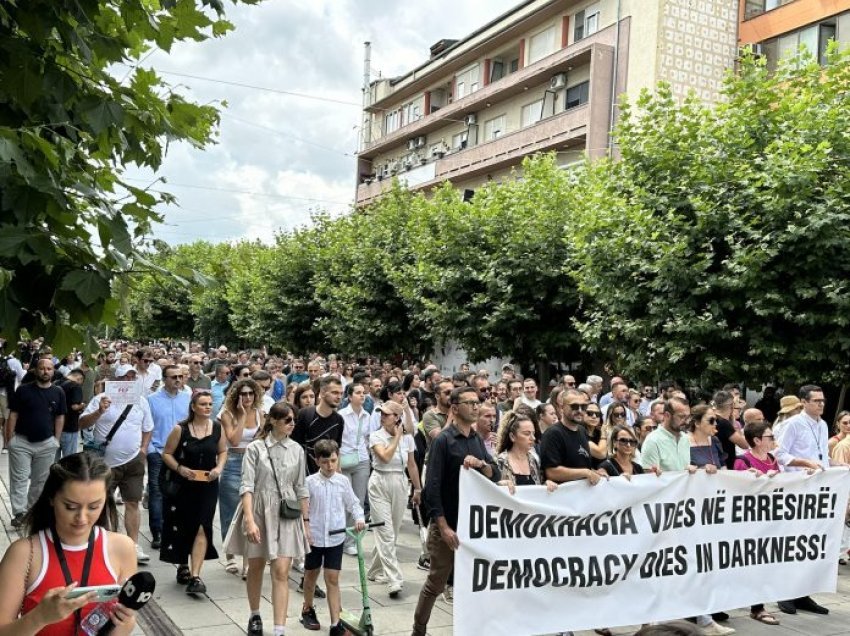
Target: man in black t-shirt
{"points": [[321, 421], [564, 451], [69, 441], [729, 437], [37, 414]]}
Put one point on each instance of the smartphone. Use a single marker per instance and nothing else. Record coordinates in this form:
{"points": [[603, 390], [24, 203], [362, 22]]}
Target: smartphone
{"points": [[104, 592], [201, 475]]}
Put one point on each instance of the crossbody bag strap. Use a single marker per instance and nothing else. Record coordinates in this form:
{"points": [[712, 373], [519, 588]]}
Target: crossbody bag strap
{"points": [[274, 470], [118, 423]]}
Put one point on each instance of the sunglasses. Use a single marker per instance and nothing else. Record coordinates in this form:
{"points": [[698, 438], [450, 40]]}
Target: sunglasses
{"points": [[286, 420], [578, 407], [594, 413], [174, 377], [244, 393], [148, 360], [620, 416], [627, 441]]}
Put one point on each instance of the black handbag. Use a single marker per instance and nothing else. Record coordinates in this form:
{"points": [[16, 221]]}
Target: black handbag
{"points": [[289, 508], [170, 483]]}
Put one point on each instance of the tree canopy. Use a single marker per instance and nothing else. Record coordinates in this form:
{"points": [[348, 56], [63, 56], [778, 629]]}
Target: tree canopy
{"points": [[70, 224]]}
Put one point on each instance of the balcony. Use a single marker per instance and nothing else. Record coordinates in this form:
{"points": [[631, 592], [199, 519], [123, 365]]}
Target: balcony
{"points": [[557, 132], [574, 55]]}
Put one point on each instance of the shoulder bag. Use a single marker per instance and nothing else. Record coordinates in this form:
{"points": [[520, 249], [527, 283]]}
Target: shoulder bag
{"points": [[350, 460], [289, 508], [99, 448]]}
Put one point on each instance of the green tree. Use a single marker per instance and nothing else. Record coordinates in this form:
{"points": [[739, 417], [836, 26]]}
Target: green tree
{"points": [[716, 247], [70, 223]]}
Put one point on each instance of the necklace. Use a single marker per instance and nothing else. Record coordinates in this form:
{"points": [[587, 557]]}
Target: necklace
{"points": [[194, 427]]}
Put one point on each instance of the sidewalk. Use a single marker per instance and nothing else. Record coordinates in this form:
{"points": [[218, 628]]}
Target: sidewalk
{"points": [[224, 610]]}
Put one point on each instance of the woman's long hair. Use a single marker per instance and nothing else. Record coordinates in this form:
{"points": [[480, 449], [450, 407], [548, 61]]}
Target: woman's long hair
{"points": [[278, 411], [231, 402], [77, 467]]}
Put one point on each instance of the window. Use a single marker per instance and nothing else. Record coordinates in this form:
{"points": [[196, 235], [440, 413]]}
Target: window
{"points": [[459, 140], [577, 95], [494, 128], [541, 45], [586, 22], [497, 70], [531, 113], [815, 39], [392, 121], [753, 8], [412, 111], [466, 82]]}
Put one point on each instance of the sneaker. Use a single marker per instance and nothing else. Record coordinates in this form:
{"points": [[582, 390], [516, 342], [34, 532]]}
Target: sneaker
{"points": [[449, 595], [298, 565], [337, 630], [318, 592], [713, 629], [309, 620], [141, 557], [395, 589], [156, 540], [196, 586], [351, 550], [377, 578], [255, 626], [424, 563], [183, 574], [118, 499]]}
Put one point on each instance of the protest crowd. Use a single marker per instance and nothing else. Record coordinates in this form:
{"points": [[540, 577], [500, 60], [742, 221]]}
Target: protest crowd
{"points": [[287, 449]]}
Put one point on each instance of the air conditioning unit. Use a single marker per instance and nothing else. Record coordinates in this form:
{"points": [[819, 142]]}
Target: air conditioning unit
{"points": [[471, 119], [419, 142], [411, 144], [558, 81]]}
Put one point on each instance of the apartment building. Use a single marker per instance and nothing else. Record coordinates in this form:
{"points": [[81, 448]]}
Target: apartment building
{"points": [[544, 76], [778, 28]]}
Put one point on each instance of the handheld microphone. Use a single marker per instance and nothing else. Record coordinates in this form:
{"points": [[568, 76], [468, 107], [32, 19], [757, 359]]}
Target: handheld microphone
{"points": [[137, 591]]}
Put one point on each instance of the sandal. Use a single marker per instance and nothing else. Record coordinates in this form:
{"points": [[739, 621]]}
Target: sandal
{"points": [[764, 617], [230, 567]]}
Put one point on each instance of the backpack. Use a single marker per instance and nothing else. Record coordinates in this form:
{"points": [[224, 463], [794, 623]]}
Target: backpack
{"points": [[7, 375]]}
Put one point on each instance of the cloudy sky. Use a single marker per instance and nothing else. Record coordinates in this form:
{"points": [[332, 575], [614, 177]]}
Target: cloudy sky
{"points": [[279, 155]]}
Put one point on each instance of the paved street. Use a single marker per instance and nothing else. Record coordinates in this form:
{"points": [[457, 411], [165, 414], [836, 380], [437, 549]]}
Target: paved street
{"points": [[223, 611]]}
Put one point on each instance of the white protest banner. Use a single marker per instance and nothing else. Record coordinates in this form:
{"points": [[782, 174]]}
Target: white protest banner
{"points": [[650, 549], [123, 393]]}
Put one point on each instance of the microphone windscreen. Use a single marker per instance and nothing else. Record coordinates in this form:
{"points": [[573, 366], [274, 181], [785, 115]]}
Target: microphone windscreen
{"points": [[137, 590]]}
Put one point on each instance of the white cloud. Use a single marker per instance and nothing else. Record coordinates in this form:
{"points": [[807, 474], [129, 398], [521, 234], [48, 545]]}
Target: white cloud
{"points": [[280, 156]]}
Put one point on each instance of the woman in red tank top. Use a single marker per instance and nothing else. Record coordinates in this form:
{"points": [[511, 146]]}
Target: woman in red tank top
{"points": [[76, 509]]}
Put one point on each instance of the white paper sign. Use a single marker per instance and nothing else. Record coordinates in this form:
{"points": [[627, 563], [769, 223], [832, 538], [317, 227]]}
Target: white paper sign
{"points": [[650, 549], [123, 393]]}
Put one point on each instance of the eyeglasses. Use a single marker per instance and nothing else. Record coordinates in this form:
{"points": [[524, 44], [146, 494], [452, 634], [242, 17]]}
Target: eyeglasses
{"points": [[627, 441], [244, 393], [578, 407], [474, 403]]}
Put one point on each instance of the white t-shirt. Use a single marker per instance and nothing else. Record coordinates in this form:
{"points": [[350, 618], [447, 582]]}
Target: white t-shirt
{"points": [[399, 460], [147, 380], [127, 441]]}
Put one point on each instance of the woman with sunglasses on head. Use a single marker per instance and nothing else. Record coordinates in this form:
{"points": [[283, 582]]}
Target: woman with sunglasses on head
{"points": [[516, 458], [241, 419], [273, 471], [196, 453], [706, 451], [68, 526]]}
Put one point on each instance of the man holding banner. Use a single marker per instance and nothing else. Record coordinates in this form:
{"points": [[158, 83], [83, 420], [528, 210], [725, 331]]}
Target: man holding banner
{"points": [[456, 447], [804, 445]]}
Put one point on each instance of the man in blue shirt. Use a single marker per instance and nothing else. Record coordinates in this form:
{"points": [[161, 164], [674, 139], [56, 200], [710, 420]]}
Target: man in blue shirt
{"points": [[168, 406], [219, 386]]}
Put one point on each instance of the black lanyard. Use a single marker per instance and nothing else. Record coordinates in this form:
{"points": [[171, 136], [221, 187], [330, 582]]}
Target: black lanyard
{"points": [[63, 563]]}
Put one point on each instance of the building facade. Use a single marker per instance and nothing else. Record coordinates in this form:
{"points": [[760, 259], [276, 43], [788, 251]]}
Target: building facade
{"points": [[778, 28], [545, 76]]}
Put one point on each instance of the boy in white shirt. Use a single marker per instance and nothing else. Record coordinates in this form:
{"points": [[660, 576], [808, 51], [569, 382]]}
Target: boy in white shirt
{"points": [[331, 496]]}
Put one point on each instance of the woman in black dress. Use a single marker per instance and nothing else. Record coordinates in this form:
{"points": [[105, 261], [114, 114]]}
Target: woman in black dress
{"points": [[195, 453]]}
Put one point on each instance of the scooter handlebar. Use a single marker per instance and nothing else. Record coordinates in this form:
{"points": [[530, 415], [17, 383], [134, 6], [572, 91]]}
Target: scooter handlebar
{"points": [[341, 530]]}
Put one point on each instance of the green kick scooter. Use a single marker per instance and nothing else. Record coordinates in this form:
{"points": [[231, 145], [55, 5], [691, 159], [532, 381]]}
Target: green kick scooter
{"points": [[354, 624]]}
